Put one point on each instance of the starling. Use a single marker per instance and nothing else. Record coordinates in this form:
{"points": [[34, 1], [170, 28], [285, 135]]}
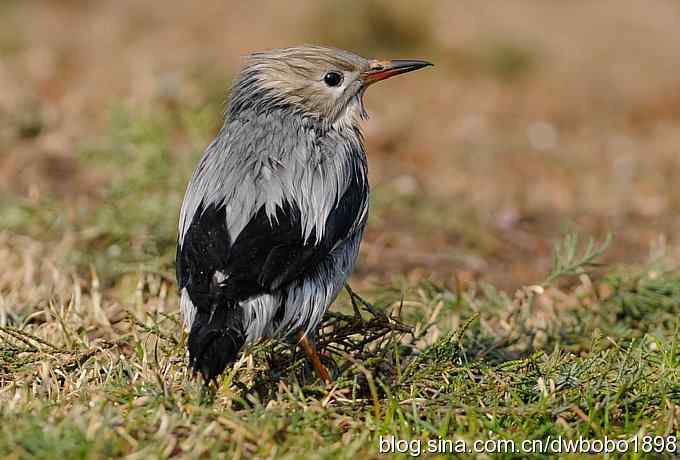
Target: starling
{"points": [[274, 213]]}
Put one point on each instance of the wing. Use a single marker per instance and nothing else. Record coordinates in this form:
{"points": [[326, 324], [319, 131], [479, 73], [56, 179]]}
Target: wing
{"points": [[219, 271], [270, 252]]}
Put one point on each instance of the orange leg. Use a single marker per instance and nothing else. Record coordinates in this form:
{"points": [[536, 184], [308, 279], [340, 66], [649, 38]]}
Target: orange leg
{"points": [[313, 357]]}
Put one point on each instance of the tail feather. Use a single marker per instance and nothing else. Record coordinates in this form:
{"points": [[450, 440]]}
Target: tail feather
{"points": [[215, 340]]}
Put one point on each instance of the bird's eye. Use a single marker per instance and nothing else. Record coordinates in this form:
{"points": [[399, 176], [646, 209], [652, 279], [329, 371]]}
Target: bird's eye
{"points": [[332, 78]]}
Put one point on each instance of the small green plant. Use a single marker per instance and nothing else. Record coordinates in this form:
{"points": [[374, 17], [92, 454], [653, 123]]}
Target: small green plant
{"points": [[568, 261]]}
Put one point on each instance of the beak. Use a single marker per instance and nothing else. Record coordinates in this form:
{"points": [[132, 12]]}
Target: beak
{"points": [[380, 70]]}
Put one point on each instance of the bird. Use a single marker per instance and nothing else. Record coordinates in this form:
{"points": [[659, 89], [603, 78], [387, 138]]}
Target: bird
{"points": [[274, 213]]}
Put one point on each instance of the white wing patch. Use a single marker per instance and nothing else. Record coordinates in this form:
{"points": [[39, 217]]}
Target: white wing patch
{"points": [[187, 309]]}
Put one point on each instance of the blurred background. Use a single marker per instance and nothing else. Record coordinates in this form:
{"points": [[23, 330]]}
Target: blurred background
{"points": [[539, 118]]}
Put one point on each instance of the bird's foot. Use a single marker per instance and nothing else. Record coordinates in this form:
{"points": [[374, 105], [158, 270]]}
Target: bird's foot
{"points": [[313, 356]]}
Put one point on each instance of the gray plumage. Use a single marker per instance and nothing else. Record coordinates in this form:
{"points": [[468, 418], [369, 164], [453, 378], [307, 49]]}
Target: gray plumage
{"points": [[274, 213]]}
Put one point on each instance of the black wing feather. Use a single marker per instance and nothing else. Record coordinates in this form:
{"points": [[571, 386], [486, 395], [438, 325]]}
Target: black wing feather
{"points": [[265, 257]]}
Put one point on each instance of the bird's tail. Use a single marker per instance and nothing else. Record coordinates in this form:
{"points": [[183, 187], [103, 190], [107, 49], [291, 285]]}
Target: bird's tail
{"points": [[215, 340]]}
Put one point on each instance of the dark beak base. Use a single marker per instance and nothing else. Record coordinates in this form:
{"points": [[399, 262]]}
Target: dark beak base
{"points": [[380, 70]]}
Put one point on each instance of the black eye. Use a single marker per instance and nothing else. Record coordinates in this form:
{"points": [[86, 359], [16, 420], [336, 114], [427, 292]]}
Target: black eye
{"points": [[332, 78]]}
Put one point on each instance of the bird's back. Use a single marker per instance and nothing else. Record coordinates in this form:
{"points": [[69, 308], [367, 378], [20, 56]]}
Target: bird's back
{"points": [[272, 217]]}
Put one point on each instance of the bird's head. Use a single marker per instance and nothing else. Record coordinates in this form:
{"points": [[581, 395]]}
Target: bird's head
{"points": [[321, 83]]}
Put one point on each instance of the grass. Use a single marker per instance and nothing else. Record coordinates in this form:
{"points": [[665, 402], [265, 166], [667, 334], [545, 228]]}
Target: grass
{"points": [[92, 360], [593, 357], [130, 221]]}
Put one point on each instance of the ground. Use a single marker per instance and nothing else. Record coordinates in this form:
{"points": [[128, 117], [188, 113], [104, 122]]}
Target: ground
{"points": [[485, 317]]}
